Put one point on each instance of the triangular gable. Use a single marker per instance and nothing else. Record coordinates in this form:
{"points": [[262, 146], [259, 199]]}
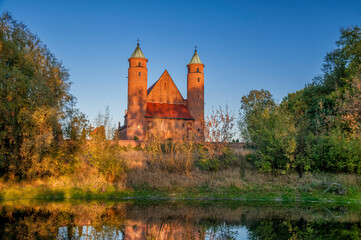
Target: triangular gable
{"points": [[164, 91]]}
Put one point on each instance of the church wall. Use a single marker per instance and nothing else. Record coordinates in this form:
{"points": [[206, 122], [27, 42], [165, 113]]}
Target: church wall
{"points": [[137, 96], [165, 91], [169, 128], [195, 95], [122, 134]]}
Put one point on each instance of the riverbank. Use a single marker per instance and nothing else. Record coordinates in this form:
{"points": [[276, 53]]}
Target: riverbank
{"points": [[239, 181], [54, 190]]}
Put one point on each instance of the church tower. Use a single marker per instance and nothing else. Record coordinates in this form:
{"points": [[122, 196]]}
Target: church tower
{"points": [[195, 92], [137, 95]]}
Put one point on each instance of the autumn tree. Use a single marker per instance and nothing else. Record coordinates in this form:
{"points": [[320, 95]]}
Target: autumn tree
{"points": [[214, 151], [34, 88]]}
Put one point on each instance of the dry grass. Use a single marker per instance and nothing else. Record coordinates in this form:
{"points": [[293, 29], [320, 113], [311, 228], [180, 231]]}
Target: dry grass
{"points": [[158, 178], [139, 172], [240, 174]]}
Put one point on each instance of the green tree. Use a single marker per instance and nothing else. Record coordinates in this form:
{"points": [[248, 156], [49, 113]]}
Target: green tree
{"points": [[74, 122], [327, 113], [265, 124], [34, 89], [340, 71]]}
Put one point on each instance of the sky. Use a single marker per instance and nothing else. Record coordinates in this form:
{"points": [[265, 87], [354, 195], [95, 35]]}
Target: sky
{"points": [[245, 45]]}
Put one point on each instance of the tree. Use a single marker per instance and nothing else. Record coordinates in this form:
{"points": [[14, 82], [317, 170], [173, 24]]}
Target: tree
{"points": [[214, 151], [265, 124], [327, 112], [74, 122], [340, 69], [34, 88], [104, 122]]}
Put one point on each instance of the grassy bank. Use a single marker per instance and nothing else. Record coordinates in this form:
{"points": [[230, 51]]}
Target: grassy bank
{"points": [[251, 194], [234, 184], [238, 182]]}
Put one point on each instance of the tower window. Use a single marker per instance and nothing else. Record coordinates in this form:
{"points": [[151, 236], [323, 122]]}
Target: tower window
{"points": [[139, 64], [139, 74], [198, 79], [198, 95], [183, 125], [165, 85], [197, 69], [139, 91]]}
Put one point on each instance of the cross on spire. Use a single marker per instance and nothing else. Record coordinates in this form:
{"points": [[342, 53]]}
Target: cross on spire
{"points": [[138, 41], [195, 48]]}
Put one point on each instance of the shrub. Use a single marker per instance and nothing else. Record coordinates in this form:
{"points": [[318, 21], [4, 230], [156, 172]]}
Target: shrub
{"points": [[335, 153], [170, 155], [213, 160], [106, 156]]}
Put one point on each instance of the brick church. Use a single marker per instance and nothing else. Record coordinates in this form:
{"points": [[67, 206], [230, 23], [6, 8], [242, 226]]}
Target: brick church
{"points": [[161, 110]]}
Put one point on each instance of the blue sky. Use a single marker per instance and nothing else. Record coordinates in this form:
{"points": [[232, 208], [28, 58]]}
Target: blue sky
{"points": [[245, 45]]}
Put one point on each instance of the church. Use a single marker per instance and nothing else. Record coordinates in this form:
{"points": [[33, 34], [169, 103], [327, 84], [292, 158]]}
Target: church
{"points": [[161, 110]]}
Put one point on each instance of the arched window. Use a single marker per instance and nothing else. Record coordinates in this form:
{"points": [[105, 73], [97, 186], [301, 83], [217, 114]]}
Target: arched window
{"points": [[197, 69], [139, 64], [198, 79], [198, 95], [139, 74], [165, 85]]}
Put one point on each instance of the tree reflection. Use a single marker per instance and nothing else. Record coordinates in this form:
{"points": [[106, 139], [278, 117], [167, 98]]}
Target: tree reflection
{"points": [[301, 229], [174, 221]]}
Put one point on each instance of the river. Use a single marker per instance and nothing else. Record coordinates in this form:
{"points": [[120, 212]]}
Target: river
{"points": [[28, 219]]}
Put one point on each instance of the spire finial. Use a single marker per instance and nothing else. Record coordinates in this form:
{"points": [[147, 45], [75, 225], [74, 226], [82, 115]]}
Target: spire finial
{"points": [[195, 58], [137, 52]]}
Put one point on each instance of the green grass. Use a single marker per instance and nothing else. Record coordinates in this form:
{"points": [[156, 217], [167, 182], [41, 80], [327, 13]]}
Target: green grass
{"points": [[229, 194], [248, 193]]}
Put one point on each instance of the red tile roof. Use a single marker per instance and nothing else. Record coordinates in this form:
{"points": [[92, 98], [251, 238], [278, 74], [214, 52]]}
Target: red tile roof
{"points": [[166, 110]]}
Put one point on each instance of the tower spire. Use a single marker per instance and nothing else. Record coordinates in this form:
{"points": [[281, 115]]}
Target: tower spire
{"points": [[195, 58], [137, 52]]}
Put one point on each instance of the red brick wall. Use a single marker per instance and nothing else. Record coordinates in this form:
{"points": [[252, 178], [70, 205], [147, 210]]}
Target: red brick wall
{"points": [[195, 94], [177, 129], [137, 97], [165, 91]]}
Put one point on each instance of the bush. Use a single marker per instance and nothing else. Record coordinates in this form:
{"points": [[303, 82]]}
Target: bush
{"points": [[216, 158], [335, 153], [106, 156], [169, 155]]}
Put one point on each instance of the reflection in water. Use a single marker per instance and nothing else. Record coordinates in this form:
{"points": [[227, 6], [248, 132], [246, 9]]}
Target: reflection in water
{"points": [[153, 220]]}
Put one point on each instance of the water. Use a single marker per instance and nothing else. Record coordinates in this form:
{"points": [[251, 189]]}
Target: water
{"points": [[177, 220]]}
